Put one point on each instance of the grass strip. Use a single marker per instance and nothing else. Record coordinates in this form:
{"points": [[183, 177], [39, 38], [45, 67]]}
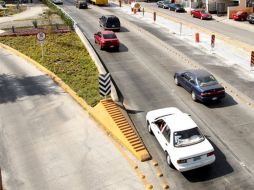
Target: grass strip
{"points": [[65, 55]]}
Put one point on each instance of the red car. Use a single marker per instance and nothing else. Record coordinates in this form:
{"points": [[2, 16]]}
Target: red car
{"points": [[107, 40], [240, 15], [200, 13]]}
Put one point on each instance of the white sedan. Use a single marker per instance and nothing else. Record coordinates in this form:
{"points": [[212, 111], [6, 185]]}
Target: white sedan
{"points": [[186, 148], [59, 2]]}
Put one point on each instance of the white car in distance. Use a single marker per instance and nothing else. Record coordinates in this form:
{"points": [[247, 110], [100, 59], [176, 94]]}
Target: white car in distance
{"points": [[57, 2], [186, 148]]}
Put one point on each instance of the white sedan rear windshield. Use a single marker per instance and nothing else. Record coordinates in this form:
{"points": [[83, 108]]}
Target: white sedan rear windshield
{"points": [[187, 137]]}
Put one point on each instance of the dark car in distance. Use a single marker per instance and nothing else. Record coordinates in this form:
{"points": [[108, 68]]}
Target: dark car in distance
{"points": [[176, 7], [81, 4], [201, 84], [250, 18], [110, 22], [240, 16]]}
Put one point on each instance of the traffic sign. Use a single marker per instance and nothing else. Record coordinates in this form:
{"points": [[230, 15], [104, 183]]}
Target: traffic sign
{"points": [[41, 36], [105, 84]]}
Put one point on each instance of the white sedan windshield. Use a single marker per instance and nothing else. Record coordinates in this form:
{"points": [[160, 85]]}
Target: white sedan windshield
{"points": [[187, 137]]}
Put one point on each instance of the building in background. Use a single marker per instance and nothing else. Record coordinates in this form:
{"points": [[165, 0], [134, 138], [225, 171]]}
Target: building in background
{"points": [[219, 7]]}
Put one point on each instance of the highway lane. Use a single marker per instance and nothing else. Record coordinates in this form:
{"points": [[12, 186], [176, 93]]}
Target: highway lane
{"points": [[143, 72], [228, 30]]}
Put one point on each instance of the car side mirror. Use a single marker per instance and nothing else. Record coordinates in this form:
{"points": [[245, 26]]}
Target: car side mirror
{"points": [[192, 81]]}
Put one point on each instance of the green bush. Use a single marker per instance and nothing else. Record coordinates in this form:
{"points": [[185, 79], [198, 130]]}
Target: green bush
{"points": [[58, 11]]}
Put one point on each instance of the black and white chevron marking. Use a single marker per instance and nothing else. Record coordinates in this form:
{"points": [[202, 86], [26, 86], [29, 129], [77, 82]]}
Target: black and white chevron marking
{"points": [[105, 84]]}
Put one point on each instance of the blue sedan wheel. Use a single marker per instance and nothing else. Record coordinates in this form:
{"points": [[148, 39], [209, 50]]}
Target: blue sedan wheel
{"points": [[176, 81], [193, 96]]}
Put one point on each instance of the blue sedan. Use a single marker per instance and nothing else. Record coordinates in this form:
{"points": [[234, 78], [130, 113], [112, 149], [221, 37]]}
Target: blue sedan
{"points": [[201, 84]]}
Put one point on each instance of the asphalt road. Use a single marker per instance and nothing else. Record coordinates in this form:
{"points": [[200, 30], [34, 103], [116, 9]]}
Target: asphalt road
{"points": [[144, 72], [228, 30]]}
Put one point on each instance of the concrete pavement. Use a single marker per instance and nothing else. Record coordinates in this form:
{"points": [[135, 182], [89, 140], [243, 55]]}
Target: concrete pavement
{"points": [[113, 162], [33, 12], [50, 142]]}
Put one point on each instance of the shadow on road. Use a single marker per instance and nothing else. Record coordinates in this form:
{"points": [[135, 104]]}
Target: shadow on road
{"points": [[13, 88], [218, 169], [123, 29], [122, 48], [225, 102]]}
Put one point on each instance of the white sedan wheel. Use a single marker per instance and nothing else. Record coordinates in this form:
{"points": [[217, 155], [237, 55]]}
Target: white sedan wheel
{"points": [[149, 128], [168, 160]]}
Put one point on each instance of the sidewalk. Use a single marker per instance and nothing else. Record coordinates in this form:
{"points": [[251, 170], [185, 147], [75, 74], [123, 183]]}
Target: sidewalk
{"points": [[34, 11], [239, 24], [228, 63]]}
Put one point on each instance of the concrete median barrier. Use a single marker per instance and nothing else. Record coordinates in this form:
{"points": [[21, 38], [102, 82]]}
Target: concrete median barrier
{"points": [[110, 116]]}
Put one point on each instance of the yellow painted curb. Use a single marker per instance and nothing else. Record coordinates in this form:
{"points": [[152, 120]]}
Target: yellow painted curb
{"points": [[109, 115]]}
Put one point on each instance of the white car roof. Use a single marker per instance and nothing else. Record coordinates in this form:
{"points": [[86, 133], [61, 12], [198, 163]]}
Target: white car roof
{"points": [[155, 114], [179, 122], [176, 119]]}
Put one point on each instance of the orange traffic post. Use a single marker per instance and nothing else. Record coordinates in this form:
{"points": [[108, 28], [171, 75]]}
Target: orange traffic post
{"points": [[252, 59], [154, 16], [197, 37], [143, 11], [120, 3], [134, 10], [212, 40]]}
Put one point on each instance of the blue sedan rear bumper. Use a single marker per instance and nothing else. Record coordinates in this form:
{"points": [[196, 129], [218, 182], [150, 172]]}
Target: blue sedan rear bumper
{"points": [[210, 98]]}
